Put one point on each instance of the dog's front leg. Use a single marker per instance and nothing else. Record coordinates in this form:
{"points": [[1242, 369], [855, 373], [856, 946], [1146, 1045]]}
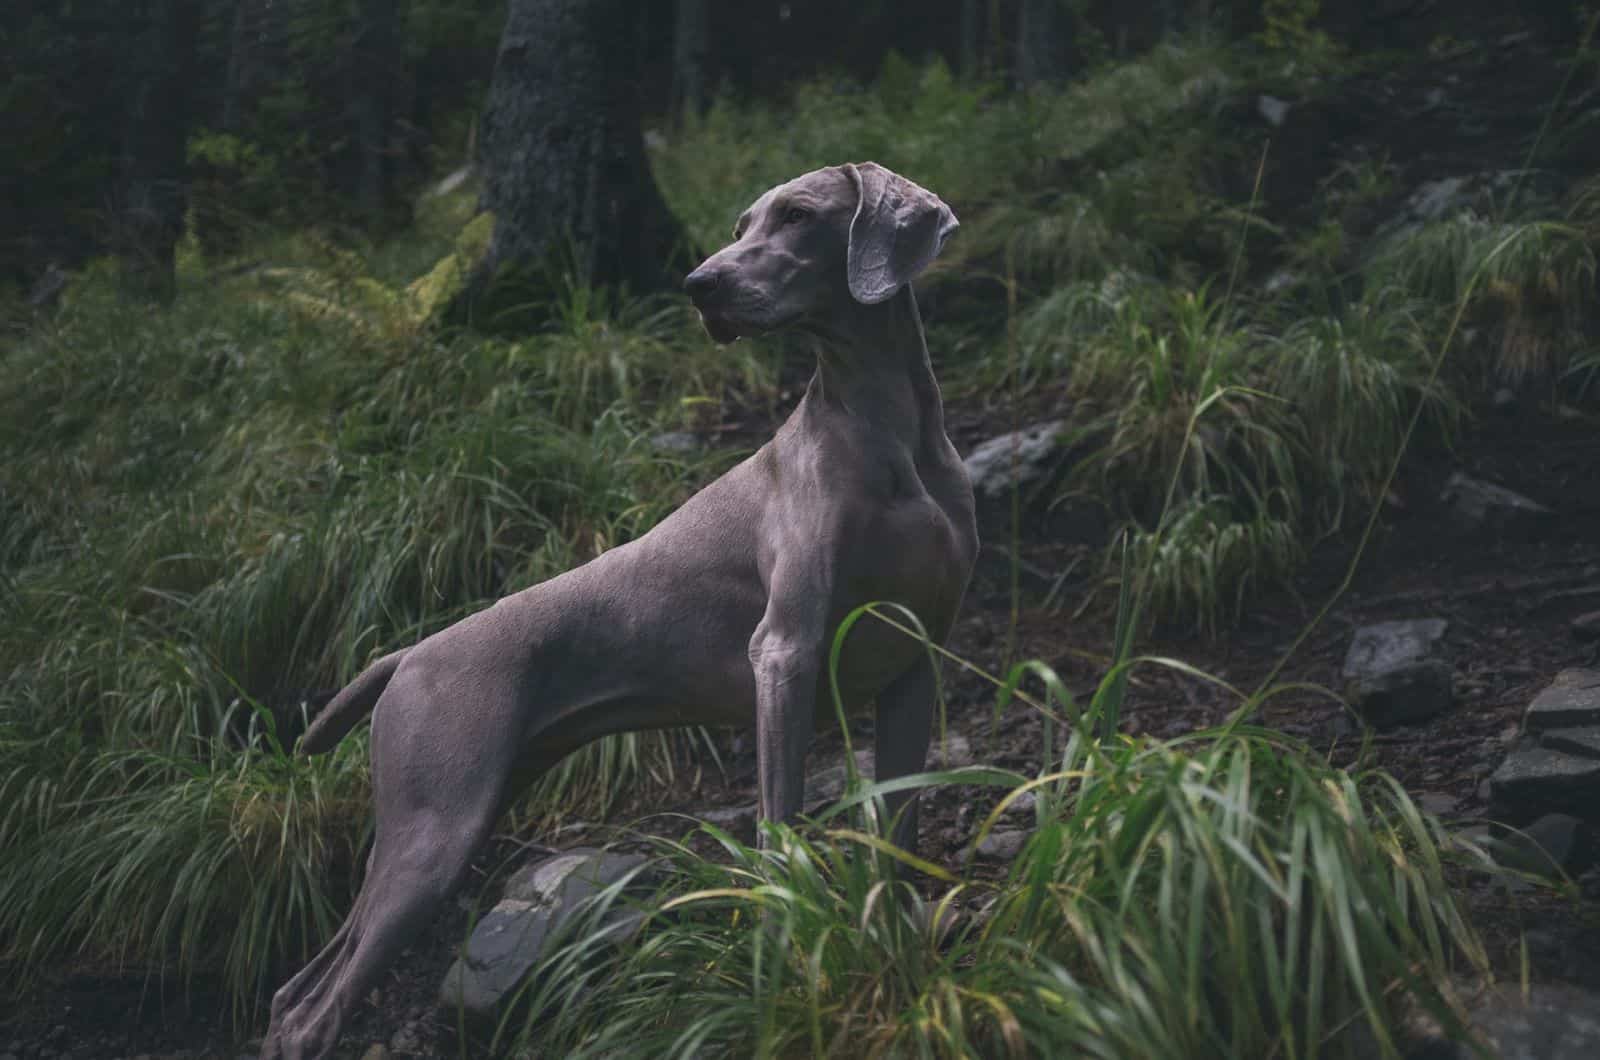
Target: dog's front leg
{"points": [[784, 657]]}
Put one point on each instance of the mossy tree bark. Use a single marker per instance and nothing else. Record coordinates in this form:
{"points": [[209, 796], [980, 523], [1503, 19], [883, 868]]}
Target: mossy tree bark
{"points": [[565, 172]]}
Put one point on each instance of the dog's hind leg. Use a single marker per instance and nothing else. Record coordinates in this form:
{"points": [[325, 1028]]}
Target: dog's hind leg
{"points": [[410, 878], [436, 803], [901, 736]]}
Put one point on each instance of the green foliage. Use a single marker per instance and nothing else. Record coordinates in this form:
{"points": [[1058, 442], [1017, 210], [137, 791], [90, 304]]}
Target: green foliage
{"points": [[1526, 285], [1229, 894], [980, 147], [211, 510], [207, 512], [1289, 27], [1207, 558], [216, 858], [1352, 380]]}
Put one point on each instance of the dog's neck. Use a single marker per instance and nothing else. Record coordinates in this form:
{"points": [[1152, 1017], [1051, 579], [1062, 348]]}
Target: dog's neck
{"points": [[873, 364]]}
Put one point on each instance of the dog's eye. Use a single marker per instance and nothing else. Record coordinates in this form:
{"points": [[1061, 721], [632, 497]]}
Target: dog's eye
{"points": [[795, 215]]}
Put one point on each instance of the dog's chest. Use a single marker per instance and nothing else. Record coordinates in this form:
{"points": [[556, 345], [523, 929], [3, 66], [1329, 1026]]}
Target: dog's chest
{"points": [[914, 554]]}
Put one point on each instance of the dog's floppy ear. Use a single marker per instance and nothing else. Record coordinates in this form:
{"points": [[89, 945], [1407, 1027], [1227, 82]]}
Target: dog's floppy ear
{"points": [[898, 229]]}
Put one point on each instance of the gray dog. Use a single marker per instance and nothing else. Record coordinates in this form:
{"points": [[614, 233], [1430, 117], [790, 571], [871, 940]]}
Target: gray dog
{"points": [[723, 611]]}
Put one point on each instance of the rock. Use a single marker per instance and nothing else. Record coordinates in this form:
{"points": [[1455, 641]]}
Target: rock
{"points": [[1556, 843], [1282, 280], [675, 442], [1586, 628], [407, 1041], [1438, 803], [1273, 109], [1540, 780], [1394, 673], [1435, 198], [1556, 1022], [1001, 844], [990, 464], [1585, 742], [826, 786], [953, 752], [452, 182], [1571, 701], [509, 940], [1026, 803], [995, 563], [46, 290], [376, 1051], [1483, 506], [731, 818]]}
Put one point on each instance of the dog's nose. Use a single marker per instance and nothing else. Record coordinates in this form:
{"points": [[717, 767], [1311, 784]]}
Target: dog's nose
{"points": [[702, 282]]}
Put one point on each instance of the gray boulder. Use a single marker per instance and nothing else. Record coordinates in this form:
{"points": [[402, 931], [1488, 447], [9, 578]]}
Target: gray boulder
{"points": [[1396, 672], [1556, 1022], [1273, 109], [510, 939], [1537, 780], [990, 464], [1572, 701], [1484, 507], [1557, 768], [675, 442], [1584, 742], [1473, 195], [1002, 844], [1555, 844], [454, 182], [825, 786], [737, 818]]}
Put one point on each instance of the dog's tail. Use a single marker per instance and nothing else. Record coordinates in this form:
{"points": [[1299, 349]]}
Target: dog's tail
{"points": [[354, 702]]}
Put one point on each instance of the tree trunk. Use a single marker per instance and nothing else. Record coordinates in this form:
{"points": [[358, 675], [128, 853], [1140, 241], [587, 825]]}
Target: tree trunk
{"points": [[376, 70], [691, 50], [1042, 44], [565, 172], [970, 47], [154, 193]]}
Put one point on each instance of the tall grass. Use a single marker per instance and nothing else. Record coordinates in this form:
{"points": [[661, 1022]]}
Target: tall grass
{"points": [[227, 862], [1526, 285], [210, 513], [224, 507], [1225, 895]]}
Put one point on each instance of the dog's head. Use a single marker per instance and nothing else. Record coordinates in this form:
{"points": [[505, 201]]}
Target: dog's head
{"points": [[857, 231]]}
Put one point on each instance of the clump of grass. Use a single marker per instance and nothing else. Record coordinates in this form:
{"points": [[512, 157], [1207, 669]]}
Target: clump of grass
{"points": [[1352, 380], [226, 506], [1184, 425], [1525, 285], [224, 862], [1226, 894], [1206, 559]]}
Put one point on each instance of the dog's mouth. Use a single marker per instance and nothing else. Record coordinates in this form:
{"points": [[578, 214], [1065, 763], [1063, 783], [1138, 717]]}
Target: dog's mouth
{"points": [[720, 328]]}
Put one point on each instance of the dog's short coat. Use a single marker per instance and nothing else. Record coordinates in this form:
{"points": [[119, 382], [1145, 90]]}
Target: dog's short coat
{"points": [[723, 612]]}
